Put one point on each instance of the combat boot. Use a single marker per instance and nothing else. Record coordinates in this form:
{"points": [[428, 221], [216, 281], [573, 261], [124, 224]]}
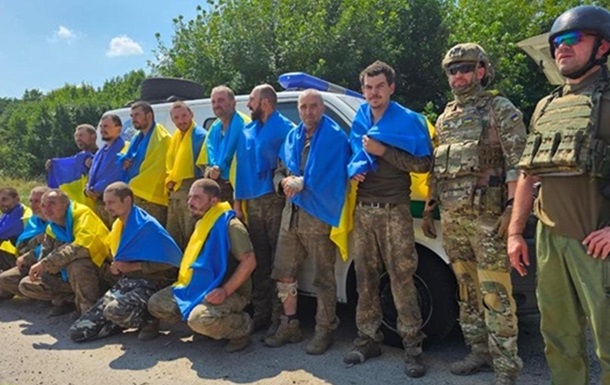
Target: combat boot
{"points": [[414, 367], [505, 379], [289, 331], [364, 348], [321, 341], [61, 308], [472, 363], [150, 331], [240, 343]]}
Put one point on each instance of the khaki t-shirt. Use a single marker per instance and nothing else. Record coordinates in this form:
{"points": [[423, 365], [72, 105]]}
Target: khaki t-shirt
{"points": [[240, 244], [573, 205]]}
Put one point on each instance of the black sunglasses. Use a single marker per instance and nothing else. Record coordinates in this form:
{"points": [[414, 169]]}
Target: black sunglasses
{"points": [[461, 67]]}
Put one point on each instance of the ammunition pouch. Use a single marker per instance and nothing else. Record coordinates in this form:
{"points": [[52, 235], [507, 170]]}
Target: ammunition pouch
{"points": [[457, 159], [489, 199]]}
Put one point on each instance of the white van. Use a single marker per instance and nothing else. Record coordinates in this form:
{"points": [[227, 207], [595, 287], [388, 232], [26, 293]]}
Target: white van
{"points": [[434, 278]]}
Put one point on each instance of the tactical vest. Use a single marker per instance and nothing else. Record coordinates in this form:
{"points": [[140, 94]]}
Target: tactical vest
{"points": [[467, 148], [565, 140]]}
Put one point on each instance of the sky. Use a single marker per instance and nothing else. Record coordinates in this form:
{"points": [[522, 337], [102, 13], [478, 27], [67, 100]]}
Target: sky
{"points": [[45, 44]]}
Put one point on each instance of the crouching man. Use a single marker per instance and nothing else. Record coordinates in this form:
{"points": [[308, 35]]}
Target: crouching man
{"points": [[72, 252], [213, 286], [145, 260]]}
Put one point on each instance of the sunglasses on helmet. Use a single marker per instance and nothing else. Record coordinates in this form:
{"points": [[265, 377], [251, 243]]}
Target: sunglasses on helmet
{"points": [[461, 68], [568, 38]]}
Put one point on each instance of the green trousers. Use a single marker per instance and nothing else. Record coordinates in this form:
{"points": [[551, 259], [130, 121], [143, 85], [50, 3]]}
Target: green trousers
{"points": [[571, 293]]}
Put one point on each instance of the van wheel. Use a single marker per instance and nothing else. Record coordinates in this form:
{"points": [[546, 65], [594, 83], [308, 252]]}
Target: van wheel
{"points": [[436, 295], [170, 89]]}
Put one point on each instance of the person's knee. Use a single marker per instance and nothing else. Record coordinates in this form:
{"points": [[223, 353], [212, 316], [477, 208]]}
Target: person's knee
{"points": [[205, 325]]}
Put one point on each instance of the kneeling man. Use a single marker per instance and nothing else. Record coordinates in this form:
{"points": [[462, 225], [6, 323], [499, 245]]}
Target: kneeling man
{"points": [[145, 260], [213, 286]]}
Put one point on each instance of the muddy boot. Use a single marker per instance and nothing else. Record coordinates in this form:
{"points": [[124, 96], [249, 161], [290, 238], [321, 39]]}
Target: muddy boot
{"points": [[275, 324], [150, 331], [240, 343], [414, 367], [505, 379], [472, 363], [321, 341], [61, 309], [364, 348], [289, 331]]}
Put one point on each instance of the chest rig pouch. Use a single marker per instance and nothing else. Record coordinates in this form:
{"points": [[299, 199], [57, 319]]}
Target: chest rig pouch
{"points": [[566, 141]]}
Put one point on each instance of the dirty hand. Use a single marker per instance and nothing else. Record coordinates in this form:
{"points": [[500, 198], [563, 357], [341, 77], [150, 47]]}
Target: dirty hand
{"points": [[373, 146], [35, 271], [214, 172], [427, 224], [217, 296], [501, 227]]}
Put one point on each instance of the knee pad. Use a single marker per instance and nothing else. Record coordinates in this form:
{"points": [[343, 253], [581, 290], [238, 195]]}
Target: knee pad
{"points": [[285, 289]]}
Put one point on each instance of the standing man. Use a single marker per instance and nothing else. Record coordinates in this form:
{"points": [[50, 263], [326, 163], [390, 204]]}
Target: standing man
{"points": [[213, 285], [144, 163], [28, 246], [388, 141], [221, 143], [481, 138], [573, 205], [73, 251], [145, 259], [13, 217], [313, 176], [184, 147], [105, 169], [257, 158]]}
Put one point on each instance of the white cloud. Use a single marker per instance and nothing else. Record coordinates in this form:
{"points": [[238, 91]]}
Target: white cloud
{"points": [[64, 34], [123, 46]]}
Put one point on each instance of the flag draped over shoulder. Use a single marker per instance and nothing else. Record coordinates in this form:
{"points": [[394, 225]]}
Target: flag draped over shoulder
{"points": [[398, 127], [146, 175], [83, 228], [325, 173], [69, 174], [257, 156], [419, 181], [142, 239], [12, 225], [104, 168], [218, 149], [34, 227], [205, 260], [182, 153]]}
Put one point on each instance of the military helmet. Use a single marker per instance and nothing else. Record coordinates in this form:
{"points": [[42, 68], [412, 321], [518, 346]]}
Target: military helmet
{"points": [[470, 52], [582, 18]]}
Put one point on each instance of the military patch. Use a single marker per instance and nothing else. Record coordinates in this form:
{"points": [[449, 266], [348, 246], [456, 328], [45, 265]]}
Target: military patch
{"points": [[515, 117], [468, 119]]}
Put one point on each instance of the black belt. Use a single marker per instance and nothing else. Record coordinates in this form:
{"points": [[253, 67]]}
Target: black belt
{"points": [[376, 205]]}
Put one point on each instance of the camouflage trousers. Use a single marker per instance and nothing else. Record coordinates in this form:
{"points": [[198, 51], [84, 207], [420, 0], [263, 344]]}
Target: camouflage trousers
{"points": [[383, 237], [100, 210], [227, 320], [487, 309], [159, 212], [9, 281], [83, 286], [293, 247], [180, 221], [124, 306], [264, 218], [7, 262]]}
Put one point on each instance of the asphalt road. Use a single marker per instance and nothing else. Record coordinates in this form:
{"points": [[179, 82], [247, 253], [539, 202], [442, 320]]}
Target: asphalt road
{"points": [[37, 350]]}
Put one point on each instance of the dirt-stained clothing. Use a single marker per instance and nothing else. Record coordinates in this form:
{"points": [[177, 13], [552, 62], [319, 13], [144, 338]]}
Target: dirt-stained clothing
{"points": [[180, 221]]}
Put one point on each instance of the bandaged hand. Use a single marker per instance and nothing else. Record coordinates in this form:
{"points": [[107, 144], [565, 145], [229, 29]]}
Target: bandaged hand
{"points": [[427, 224], [501, 227], [292, 185]]}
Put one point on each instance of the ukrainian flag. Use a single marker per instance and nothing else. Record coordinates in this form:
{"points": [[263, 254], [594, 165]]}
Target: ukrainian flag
{"points": [[70, 176]]}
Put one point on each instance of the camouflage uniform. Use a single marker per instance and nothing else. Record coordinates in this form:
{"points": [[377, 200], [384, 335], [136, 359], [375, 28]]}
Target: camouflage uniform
{"points": [[180, 221], [264, 215], [159, 212], [9, 279], [83, 286], [100, 211], [481, 137]]}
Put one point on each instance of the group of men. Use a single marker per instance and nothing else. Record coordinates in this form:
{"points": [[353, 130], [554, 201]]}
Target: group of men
{"points": [[197, 225]]}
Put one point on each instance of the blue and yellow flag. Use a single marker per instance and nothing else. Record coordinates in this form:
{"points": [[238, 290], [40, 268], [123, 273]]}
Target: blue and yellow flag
{"points": [[182, 153], [147, 173], [12, 225], [218, 148], [69, 174], [142, 238], [104, 168], [205, 260]]}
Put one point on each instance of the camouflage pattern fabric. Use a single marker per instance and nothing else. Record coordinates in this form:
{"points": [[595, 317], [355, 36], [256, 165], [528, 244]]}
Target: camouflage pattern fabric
{"points": [[180, 221], [122, 307], [381, 237], [9, 281], [264, 217], [159, 212], [7, 260], [162, 305], [302, 236], [482, 269]]}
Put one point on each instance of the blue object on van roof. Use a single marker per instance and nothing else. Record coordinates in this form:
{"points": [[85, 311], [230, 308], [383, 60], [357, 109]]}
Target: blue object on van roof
{"points": [[301, 80]]}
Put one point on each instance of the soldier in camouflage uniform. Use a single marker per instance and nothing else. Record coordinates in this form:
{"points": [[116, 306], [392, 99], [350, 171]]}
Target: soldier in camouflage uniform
{"points": [[139, 270], [259, 142], [305, 232], [66, 272], [383, 226], [481, 137], [28, 249], [567, 153], [180, 222]]}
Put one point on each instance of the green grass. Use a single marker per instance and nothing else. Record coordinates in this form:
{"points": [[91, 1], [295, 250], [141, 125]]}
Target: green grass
{"points": [[22, 186]]}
